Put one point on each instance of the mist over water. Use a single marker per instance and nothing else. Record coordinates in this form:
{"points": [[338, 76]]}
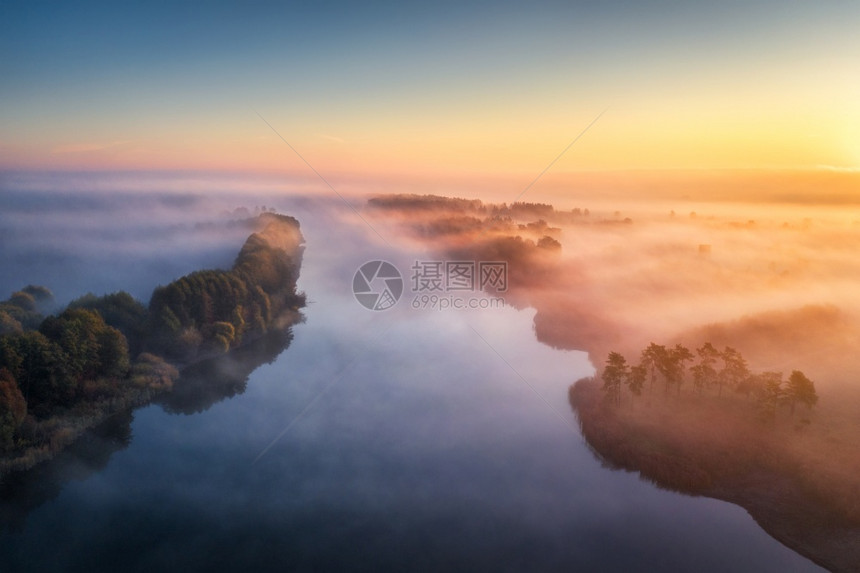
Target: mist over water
{"points": [[418, 440], [662, 270], [118, 235], [671, 274]]}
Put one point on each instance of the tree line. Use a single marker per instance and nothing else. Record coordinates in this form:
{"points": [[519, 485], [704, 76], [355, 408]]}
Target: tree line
{"points": [[23, 310], [68, 359], [210, 312], [99, 349], [712, 371]]}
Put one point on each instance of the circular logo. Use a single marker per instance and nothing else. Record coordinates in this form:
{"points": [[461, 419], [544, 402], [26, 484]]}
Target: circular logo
{"points": [[377, 285]]}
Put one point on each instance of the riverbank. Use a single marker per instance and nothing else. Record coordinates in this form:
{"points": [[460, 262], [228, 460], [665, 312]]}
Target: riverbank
{"points": [[197, 318], [688, 447]]}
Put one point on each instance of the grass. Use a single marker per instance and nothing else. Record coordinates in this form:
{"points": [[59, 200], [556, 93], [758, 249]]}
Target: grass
{"points": [[45, 438]]}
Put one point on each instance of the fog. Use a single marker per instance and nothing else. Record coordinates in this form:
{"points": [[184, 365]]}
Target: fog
{"points": [[629, 271], [106, 239], [776, 281], [620, 276], [662, 278]]}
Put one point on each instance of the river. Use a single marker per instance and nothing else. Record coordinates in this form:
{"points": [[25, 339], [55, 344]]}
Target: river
{"points": [[394, 440]]}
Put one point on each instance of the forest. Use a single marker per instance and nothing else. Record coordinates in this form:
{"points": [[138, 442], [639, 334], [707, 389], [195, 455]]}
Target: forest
{"points": [[65, 371], [713, 371], [702, 422]]}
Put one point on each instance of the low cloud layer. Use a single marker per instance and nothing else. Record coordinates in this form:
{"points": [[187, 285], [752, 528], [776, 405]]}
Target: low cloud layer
{"points": [[777, 282]]}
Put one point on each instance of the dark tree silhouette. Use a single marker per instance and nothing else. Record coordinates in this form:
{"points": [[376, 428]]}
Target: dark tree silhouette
{"points": [[734, 370], [615, 373], [674, 367], [13, 409], [652, 357], [767, 388], [704, 373], [636, 379], [800, 389]]}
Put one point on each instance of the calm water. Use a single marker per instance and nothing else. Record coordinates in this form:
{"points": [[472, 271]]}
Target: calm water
{"points": [[377, 441]]}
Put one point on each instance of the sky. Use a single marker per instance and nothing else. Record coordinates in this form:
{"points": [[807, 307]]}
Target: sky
{"points": [[440, 89]]}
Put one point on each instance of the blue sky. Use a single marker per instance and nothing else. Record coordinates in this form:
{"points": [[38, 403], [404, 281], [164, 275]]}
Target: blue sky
{"points": [[159, 85]]}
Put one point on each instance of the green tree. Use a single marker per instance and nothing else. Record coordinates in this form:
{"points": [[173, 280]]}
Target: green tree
{"points": [[119, 310], [77, 333], [113, 354], [40, 367], [91, 349], [250, 297]]}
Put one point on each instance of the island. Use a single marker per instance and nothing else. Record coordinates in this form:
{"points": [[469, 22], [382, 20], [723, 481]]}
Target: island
{"points": [[67, 372]]}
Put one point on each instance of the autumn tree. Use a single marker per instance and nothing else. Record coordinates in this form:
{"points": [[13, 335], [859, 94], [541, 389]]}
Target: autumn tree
{"points": [[24, 301], [119, 310], [20, 312], [153, 372], [8, 324], [13, 409], [42, 295]]}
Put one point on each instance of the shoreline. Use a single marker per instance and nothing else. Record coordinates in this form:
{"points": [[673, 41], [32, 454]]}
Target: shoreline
{"points": [[201, 317], [777, 502], [74, 425]]}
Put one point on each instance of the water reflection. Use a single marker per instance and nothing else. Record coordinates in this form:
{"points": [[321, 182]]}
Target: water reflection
{"points": [[22, 492], [217, 379], [199, 387]]}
